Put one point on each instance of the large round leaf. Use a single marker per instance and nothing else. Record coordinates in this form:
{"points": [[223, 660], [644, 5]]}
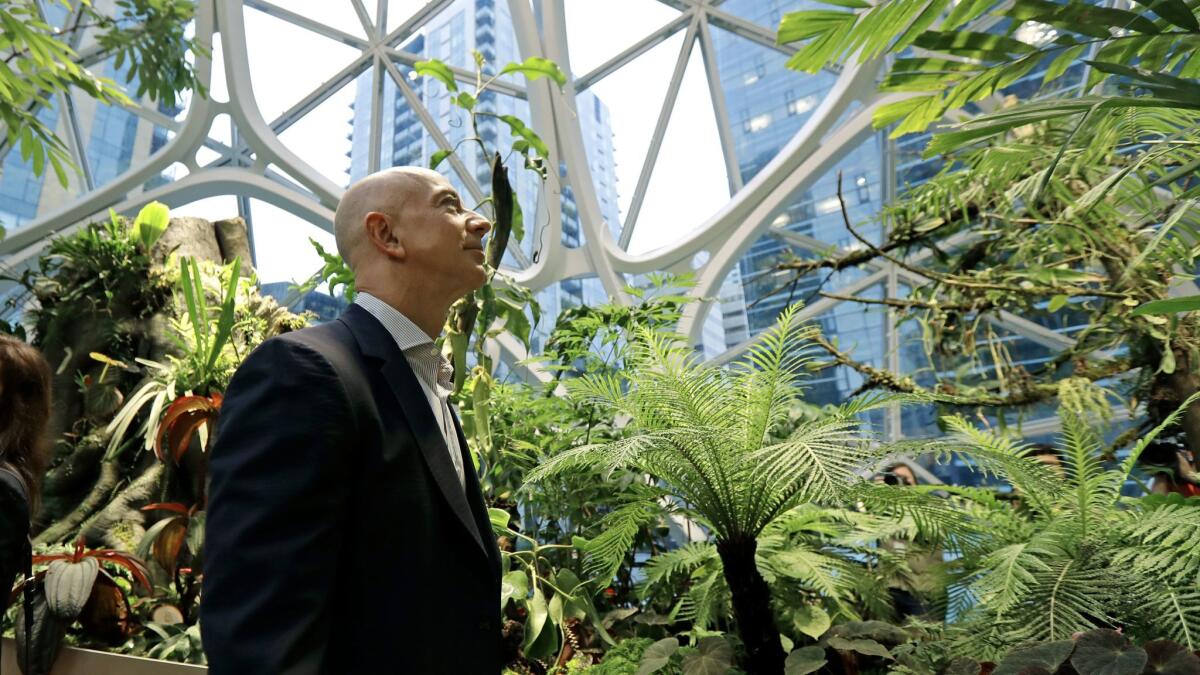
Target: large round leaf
{"points": [[805, 660], [1107, 652], [862, 646], [879, 631], [1166, 657], [657, 655], [1048, 655], [811, 620], [541, 638], [713, 656], [514, 585], [69, 585]]}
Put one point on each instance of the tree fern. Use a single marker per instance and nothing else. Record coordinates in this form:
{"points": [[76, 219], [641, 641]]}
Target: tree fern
{"points": [[1074, 555]]}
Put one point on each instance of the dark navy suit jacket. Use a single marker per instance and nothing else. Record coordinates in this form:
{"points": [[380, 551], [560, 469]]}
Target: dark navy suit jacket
{"points": [[338, 537]]}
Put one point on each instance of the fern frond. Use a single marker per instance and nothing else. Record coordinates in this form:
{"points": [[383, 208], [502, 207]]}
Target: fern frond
{"points": [[1143, 442], [618, 529], [1164, 542], [683, 560]]}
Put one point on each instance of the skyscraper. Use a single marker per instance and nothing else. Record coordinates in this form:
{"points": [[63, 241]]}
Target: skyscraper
{"points": [[485, 26]]}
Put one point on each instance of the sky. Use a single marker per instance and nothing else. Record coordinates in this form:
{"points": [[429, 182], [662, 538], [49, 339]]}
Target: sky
{"points": [[687, 186]]}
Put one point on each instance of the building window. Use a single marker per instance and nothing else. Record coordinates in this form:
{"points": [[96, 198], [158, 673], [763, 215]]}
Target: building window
{"points": [[799, 106], [758, 123], [863, 189]]}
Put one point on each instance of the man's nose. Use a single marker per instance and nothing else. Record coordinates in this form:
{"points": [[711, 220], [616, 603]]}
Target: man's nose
{"points": [[478, 224]]}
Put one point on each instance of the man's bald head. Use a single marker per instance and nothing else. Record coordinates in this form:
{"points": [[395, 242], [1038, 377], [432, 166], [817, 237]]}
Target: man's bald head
{"points": [[382, 192]]}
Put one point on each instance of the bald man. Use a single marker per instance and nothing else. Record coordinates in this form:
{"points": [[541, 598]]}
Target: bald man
{"points": [[346, 529]]}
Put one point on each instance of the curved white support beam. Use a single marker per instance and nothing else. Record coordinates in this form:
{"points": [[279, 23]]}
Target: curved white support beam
{"points": [[27, 241]]}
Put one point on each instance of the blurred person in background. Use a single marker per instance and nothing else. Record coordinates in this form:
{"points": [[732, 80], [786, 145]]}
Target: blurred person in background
{"points": [[24, 418]]}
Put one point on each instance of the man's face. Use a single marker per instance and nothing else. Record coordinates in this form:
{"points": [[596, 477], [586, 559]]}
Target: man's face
{"points": [[443, 240]]}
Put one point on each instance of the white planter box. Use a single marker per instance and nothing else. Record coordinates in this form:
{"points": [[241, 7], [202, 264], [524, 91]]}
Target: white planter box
{"points": [[73, 661]]}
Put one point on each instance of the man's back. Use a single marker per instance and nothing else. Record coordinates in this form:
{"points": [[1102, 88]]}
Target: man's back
{"points": [[334, 544]]}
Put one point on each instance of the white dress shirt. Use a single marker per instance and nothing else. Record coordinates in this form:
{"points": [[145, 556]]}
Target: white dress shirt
{"points": [[433, 371]]}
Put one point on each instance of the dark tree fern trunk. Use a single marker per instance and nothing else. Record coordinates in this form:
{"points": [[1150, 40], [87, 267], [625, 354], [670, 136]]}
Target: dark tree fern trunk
{"points": [[751, 606]]}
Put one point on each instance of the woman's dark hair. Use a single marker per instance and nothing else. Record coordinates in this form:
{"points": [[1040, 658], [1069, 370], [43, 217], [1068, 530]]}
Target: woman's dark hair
{"points": [[24, 412]]}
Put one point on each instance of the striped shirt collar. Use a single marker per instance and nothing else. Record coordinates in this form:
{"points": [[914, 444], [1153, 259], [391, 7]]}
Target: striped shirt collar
{"points": [[406, 333], [419, 349]]}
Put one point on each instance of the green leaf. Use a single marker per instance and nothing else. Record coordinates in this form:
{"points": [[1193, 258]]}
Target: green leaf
{"points": [[540, 638], [1063, 61], [1167, 366], [150, 223], [796, 26], [518, 127], [438, 70], [1056, 303], [1170, 658], [226, 320], [439, 157], [965, 43], [805, 660], [713, 656], [514, 586], [499, 518], [465, 100], [1107, 652], [965, 12], [657, 655], [811, 620], [1189, 303], [1175, 11], [535, 68], [868, 647], [852, 4], [1048, 655]]}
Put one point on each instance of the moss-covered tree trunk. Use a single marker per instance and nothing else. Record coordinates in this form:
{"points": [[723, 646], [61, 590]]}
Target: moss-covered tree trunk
{"points": [[751, 606]]}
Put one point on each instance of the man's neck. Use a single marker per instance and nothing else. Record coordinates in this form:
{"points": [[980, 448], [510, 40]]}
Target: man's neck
{"points": [[428, 315]]}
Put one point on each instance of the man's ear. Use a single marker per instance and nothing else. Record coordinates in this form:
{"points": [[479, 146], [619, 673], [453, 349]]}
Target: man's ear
{"points": [[385, 238]]}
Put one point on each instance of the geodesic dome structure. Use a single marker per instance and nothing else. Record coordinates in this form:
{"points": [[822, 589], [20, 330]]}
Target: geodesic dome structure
{"points": [[771, 187]]}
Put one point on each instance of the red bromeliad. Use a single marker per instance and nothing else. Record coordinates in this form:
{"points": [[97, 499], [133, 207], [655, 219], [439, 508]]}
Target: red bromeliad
{"points": [[184, 417]]}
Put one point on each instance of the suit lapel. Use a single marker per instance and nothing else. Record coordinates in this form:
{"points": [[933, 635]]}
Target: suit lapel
{"points": [[377, 342], [475, 493]]}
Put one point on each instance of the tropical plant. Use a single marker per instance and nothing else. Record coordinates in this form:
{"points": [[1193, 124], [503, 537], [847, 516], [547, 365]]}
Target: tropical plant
{"points": [[85, 586], [548, 608], [702, 432], [478, 311], [1066, 210], [823, 564], [1068, 553], [149, 36]]}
